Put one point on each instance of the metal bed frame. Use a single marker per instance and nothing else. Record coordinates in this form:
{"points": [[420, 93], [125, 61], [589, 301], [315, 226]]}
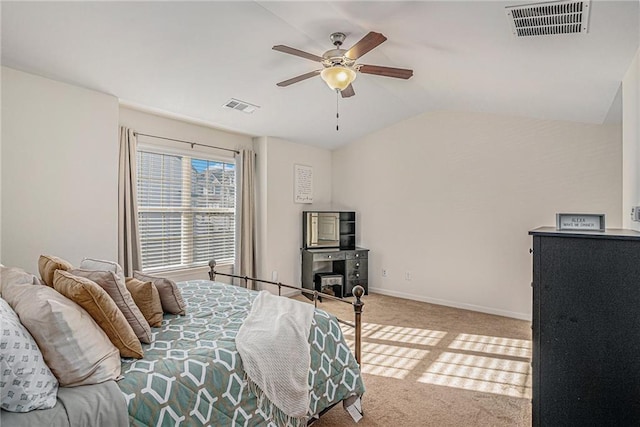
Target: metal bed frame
{"points": [[358, 291]]}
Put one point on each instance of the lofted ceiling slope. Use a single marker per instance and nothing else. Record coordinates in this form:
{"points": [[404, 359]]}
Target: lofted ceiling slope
{"points": [[190, 58]]}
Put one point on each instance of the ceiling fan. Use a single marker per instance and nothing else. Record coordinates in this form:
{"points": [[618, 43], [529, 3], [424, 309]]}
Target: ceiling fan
{"points": [[340, 66]]}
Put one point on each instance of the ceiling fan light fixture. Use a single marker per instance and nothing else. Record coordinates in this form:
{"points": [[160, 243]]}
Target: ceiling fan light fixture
{"points": [[338, 77]]}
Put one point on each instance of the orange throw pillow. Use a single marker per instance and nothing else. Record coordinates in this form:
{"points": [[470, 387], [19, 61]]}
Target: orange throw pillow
{"points": [[90, 296]]}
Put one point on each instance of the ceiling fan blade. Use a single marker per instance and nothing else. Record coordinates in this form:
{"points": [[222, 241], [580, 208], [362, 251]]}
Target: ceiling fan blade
{"points": [[365, 44], [298, 78], [347, 92], [297, 52], [399, 73]]}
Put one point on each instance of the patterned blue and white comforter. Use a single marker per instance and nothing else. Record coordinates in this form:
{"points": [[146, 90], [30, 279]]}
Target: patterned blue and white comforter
{"points": [[192, 375]]}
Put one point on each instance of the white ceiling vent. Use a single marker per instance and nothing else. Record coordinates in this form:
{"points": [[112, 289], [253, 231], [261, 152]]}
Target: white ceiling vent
{"points": [[245, 107], [541, 19]]}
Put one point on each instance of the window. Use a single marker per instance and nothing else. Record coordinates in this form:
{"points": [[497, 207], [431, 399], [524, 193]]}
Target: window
{"points": [[186, 210]]}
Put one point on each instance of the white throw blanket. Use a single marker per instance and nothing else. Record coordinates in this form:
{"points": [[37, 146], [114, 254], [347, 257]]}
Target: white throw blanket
{"points": [[273, 343]]}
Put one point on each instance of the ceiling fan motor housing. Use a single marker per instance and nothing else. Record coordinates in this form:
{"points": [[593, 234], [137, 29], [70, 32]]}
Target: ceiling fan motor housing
{"points": [[337, 39], [335, 57]]}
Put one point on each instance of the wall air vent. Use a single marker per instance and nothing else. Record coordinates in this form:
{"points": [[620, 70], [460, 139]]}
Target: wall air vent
{"points": [[245, 107], [542, 19]]}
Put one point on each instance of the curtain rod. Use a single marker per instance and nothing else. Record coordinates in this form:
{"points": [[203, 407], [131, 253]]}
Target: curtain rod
{"points": [[185, 142]]}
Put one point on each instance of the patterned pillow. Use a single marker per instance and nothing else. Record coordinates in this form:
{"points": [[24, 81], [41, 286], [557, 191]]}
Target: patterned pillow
{"points": [[27, 382], [147, 299], [48, 264], [119, 293], [90, 296], [74, 347], [170, 295]]}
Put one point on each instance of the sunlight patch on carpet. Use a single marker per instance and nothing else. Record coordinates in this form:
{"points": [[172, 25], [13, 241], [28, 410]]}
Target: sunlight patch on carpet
{"points": [[389, 360], [493, 345], [480, 373], [406, 335], [399, 334]]}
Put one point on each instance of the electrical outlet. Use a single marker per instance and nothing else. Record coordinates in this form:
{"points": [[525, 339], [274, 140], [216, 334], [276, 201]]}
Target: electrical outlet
{"points": [[635, 213], [274, 276], [384, 272], [408, 275]]}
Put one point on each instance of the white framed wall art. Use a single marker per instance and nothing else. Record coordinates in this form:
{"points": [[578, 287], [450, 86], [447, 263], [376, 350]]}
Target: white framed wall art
{"points": [[302, 184]]}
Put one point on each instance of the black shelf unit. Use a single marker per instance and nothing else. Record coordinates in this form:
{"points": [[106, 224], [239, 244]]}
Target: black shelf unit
{"points": [[347, 230]]}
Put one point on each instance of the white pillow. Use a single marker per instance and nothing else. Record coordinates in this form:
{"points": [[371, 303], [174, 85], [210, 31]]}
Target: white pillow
{"points": [[15, 276], [27, 382], [75, 348], [102, 265]]}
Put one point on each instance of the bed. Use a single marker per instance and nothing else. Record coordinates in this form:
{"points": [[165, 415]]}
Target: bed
{"points": [[191, 373]]}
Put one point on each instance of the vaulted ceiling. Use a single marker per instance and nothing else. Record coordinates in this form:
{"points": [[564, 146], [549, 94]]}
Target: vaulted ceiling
{"points": [[190, 58]]}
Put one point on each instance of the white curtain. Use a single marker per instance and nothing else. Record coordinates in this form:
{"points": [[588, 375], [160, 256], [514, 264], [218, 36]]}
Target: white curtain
{"points": [[245, 216], [128, 237]]}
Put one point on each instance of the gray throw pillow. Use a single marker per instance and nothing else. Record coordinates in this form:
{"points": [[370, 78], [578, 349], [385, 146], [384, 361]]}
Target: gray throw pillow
{"points": [[170, 295]]}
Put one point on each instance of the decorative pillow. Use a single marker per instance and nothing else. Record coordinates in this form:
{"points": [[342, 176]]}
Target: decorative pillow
{"points": [[14, 276], [74, 347], [48, 264], [90, 296], [147, 299], [27, 382], [117, 290], [170, 295], [102, 265]]}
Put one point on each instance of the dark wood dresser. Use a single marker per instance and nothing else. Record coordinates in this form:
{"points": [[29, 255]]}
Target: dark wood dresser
{"points": [[586, 328], [352, 264]]}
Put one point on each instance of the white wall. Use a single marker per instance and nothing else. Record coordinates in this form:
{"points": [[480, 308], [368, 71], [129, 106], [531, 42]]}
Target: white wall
{"points": [[166, 126], [450, 197], [281, 219], [447, 196], [631, 142], [59, 171], [59, 175]]}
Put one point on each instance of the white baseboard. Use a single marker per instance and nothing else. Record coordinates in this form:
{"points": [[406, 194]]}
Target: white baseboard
{"points": [[472, 307]]}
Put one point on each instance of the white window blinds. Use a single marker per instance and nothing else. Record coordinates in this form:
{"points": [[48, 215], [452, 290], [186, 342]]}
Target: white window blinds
{"points": [[186, 210]]}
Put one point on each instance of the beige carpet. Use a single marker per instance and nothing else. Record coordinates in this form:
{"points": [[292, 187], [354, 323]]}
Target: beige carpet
{"points": [[429, 365]]}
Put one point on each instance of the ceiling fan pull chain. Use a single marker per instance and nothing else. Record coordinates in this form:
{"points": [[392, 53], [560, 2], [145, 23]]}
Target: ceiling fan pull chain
{"points": [[337, 109]]}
